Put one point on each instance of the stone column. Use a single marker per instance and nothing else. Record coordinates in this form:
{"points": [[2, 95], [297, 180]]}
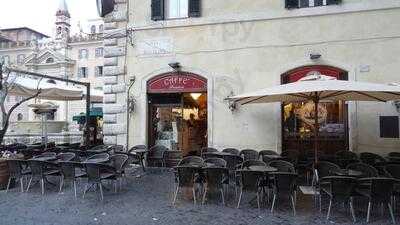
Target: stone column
{"points": [[115, 81]]}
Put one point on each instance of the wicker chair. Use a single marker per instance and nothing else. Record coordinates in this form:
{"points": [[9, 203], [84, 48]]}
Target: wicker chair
{"points": [[40, 170], [249, 154], [263, 153], [216, 178], [282, 166], [367, 170], [17, 172], [96, 173], [284, 184], [71, 171], [155, 155], [187, 175], [339, 189], [232, 151], [250, 181], [216, 162]]}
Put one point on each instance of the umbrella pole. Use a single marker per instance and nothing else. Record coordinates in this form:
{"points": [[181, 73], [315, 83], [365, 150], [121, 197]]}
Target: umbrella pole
{"points": [[316, 128]]}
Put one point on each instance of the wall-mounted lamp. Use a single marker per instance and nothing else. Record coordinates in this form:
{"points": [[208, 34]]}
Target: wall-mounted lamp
{"points": [[176, 66], [130, 34], [315, 56], [231, 104]]}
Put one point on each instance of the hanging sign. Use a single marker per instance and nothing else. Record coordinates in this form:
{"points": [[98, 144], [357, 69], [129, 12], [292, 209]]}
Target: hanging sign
{"points": [[177, 82]]}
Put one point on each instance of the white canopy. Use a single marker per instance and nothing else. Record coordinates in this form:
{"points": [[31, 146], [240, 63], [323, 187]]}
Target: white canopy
{"points": [[324, 90], [50, 89], [317, 90]]}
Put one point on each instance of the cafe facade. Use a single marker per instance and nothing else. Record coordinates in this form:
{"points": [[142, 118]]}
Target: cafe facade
{"points": [[170, 65]]}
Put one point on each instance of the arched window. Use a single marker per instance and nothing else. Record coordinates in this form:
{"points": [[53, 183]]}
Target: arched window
{"points": [[93, 29]]}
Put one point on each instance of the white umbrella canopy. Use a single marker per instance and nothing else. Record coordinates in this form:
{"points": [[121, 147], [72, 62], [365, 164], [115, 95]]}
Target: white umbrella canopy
{"points": [[50, 89], [317, 90], [330, 90]]}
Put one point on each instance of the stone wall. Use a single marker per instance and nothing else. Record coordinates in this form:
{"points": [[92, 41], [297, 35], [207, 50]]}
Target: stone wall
{"points": [[115, 44]]}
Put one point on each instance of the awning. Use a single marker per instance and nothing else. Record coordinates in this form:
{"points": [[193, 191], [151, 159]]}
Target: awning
{"points": [[95, 112]]}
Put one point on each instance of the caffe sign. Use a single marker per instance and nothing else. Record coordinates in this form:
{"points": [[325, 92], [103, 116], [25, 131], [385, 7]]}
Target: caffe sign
{"points": [[177, 82]]}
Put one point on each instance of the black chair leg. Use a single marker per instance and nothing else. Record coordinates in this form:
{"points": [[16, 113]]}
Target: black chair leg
{"points": [[391, 213], [352, 211], [8, 184], [329, 210], [369, 211]]}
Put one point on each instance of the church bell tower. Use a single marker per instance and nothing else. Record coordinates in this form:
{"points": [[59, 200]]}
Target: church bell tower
{"points": [[63, 24]]}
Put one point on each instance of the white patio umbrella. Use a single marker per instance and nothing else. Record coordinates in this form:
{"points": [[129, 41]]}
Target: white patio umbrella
{"points": [[317, 90], [50, 89]]}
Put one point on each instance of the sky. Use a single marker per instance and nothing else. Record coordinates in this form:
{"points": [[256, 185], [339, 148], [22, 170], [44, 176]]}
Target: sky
{"points": [[40, 14]]}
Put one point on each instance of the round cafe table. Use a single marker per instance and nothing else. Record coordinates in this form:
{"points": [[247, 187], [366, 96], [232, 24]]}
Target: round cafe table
{"points": [[45, 158]]}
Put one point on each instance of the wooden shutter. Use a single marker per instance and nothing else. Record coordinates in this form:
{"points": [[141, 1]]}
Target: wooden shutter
{"points": [[157, 10], [290, 4], [194, 8], [333, 2]]}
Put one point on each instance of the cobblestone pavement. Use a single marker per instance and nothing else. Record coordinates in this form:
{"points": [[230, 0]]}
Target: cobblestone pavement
{"points": [[146, 200]]}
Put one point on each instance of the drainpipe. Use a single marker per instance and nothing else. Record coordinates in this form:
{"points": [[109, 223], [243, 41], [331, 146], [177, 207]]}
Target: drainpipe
{"points": [[129, 108]]}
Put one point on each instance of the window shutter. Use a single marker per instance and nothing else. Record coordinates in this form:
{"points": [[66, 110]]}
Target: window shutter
{"points": [[290, 4], [333, 2], [157, 10], [194, 8]]}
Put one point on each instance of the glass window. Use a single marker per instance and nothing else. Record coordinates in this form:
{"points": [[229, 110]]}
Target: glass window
{"points": [[101, 28], [99, 71], [20, 59], [99, 52], [5, 59], [83, 54], [82, 72], [176, 9], [50, 60], [93, 29]]}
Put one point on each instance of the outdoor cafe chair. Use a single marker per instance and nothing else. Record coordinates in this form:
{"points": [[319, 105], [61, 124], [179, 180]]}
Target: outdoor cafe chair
{"points": [[216, 162], [249, 163], [155, 156], [192, 161], [344, 158], [381, 192], [233, 162], [263, 153], [102, 157], [96, 174], [216, 178], [250, 181], [172, 158], [365, 169], [187, 176], [371, 158], [71, 171], [282, 166], [339, 189], [284, 184], [17, 172], [67, 156], [40, 171], [291, 156], [46, 154], [209, 149], [232, 151], [119, 162], [321, 170], [249, 154], [208, 155]]}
